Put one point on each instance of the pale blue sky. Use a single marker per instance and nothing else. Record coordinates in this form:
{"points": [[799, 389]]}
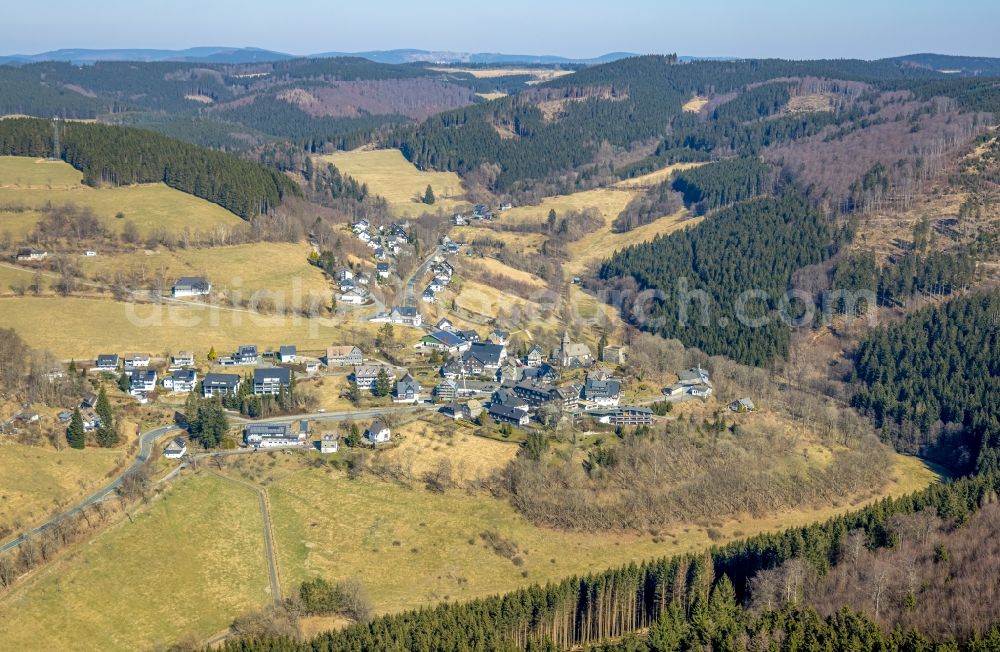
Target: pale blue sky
{"points": [[751, 28]]}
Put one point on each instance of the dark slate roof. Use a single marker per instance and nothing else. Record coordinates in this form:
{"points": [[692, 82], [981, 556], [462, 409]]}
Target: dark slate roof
{"points": [[447, 338], [487, 353], [501, 410], [287, 350], [221, 380], [184, 375], [601, 388], [284, 376]]}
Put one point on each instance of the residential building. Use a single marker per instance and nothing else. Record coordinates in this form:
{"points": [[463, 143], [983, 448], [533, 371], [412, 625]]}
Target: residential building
{"points": [[329, 443], [446, 390], [382, 269], [602, 393], [106, 362], [90, 420], [360, 225], [286, 354], [510, 371], [742, 405], [182, 359], [468, 336], [407, 390], [544, 373], [503, 414], [246, 355], [353, 297], [694, 376], [534, 357], [491, 356], [366, 375], [378, 432], [142, 382], [181, 380], [507, 396], [269, 435], [624, 416], [428, 296], [499, 336], [191, 286], [344, 274], [136, 361], [175, 449], [89, 400], [405, 315], [343, 356], [269, 381], [220, 385], [27, 254]]}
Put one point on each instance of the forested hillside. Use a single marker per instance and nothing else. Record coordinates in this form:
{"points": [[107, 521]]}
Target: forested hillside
{"points": [[686, 602], [701, 272], [722, 183], [123, 156], [933, 382]]}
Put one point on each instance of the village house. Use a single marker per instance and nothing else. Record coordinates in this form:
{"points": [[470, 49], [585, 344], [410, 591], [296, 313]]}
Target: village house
{"points": [[220, 385], [444, 324], [383, 269], [142, 382], [182, 359], [366, 375], [544, 373], [136, 361], [378, 432], [360, 225], [191, 286], [175, 449], [246, 355], [181, 380], [269, 435], [407, 390], [510, 371], [507, 396], [270, 381], [106, 362], [343, 274], [491, 356], [342, 356], [287, 354], [329, 443], [90, 420], [89, 400], [742, 405], [446, 390], [405, 315], [534, 357], [504, 414], [499, 336], [27, 254], [428, 296], [602, 393], [468, 335], [353, 297]]}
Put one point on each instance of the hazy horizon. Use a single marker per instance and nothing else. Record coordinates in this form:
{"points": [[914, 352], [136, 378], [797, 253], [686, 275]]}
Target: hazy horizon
{"points": [[582, 29]]}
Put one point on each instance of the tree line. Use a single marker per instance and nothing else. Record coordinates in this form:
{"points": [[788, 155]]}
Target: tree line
{"points": [[116, 155], [701, 593], [707, 187]]}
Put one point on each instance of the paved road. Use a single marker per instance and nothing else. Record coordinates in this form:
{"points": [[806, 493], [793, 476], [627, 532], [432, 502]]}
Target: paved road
{"points": [[146, 441], [409, 291]]}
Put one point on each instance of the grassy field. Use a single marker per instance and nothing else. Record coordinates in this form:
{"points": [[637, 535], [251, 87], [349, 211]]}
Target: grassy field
{"points": [[30, 183], [188, 564], [285, 271], [12, 277], [540, 74], [38, 480], [390, 175], [81, 328], [695, 104], [600, 244], [494, 266], [607, 201], [414, 548], [656, 177]]}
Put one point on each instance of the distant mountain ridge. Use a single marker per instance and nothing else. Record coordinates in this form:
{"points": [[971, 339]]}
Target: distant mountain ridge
{"points": [[252, 55]]}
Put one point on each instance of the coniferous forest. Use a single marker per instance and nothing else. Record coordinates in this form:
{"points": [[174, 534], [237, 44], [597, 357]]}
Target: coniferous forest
{"points": [[122, 156]]}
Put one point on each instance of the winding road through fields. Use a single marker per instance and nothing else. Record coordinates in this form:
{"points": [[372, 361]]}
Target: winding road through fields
{"points": [[150, 437]]}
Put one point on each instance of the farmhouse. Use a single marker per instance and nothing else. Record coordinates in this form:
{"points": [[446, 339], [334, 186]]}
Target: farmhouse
{"points": [[181, 380], [220, 385], [378, 432], [342, 356], [106, 362], [27, 254], [286, 354], [191, 286], [175, 449], [407, 390], [269, 435], [270, 381]]}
